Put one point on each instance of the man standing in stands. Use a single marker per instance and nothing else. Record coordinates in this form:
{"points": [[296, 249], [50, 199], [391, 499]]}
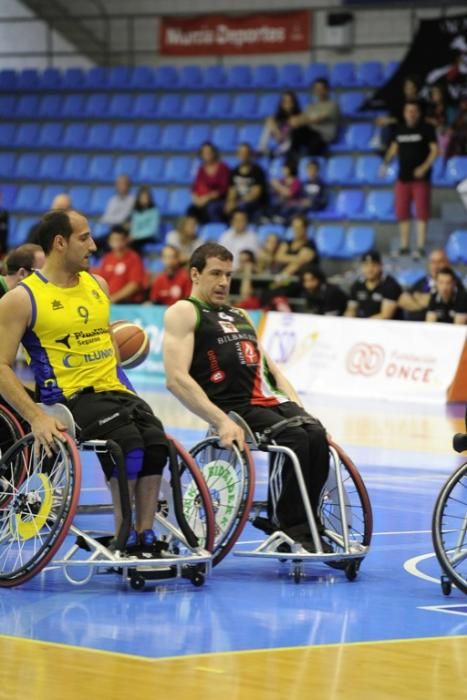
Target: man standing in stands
{"points": [[376, 295], [19, 264], [448, 303], [416, 147]]}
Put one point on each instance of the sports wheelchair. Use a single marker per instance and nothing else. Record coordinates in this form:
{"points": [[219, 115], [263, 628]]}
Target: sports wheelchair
{"points": [[344, 510], [39, 501], [449, 525]]}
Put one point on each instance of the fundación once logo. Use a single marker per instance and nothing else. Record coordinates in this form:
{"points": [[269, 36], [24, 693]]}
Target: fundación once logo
{"points": [[365, 359]]}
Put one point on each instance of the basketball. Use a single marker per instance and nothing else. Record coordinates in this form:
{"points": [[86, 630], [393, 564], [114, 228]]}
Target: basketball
{"points": [[132, 342]]}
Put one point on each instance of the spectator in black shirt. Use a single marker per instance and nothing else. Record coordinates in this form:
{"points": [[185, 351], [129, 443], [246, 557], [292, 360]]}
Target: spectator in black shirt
{"points": [[315, 196], [320, 296], [376, 295], [415, 145], [448, 303], [248, 189]]}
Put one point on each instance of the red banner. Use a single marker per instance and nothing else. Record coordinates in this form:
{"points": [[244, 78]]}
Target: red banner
{"points": [[226, 34]]}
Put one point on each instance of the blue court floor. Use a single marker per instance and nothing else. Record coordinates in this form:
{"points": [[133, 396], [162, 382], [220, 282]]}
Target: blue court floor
{"points": [[251, 604]]}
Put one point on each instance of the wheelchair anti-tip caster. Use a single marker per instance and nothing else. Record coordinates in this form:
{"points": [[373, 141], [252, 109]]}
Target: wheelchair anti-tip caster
{"points": [[137, 582], [351, 570], [197, 579], [446, 585]]}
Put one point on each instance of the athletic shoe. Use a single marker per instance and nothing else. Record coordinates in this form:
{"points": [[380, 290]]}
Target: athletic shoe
{"points": [[147, 538], [132, 540]]}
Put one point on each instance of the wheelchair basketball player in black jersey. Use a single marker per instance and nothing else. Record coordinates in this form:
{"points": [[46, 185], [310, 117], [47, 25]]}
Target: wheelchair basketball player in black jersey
{"points": [[214, 364]]}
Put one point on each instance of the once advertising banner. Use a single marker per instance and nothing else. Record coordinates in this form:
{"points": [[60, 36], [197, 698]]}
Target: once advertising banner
{"points": [[437, 55], [359, 357], [242, 34]]}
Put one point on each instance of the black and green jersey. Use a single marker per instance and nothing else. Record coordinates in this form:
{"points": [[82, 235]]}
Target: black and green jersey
{"points": [[227, 362]]}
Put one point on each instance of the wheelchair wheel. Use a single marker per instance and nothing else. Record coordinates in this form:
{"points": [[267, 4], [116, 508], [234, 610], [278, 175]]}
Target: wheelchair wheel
{"points": [[449, 528], [41, 507], [357, 506], [230, 478], [10, 432], [197, 506]]}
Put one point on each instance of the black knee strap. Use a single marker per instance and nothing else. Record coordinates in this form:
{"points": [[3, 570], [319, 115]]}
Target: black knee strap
{"points": [[273, 431]]}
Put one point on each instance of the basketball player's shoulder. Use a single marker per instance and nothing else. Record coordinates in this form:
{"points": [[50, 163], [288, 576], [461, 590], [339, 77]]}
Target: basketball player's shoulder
{"points": [[100, 281], [183, 312]]}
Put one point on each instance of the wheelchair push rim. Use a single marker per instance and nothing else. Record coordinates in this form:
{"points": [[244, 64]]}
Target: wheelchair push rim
{"points": [[11, 431]]}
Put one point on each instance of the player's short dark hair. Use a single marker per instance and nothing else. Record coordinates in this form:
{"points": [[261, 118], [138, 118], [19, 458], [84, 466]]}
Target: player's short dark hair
{"points": [[200, 256], [54, 223], [446, 271], [22, 257]]}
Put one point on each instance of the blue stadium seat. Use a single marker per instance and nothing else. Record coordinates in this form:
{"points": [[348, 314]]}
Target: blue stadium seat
{"points": [[75, 135], [358, 240], [291, 76], [26, 165], [196, 135], [169, 106], [265, 76], [343, 75], [439, 176], [409, 276], [349, 103], [27, 106], [7, 105], [212, 231], [50, 106], [99, 198], [193, 107], [219, 106], [120, 106], [99, 137], [173, 137], [123, 137], [190, 77], [379, 206], [73, 79], [313, 72], [357, 137], [215, 77], [144, 106], [119, 77], [456, 169], [50, 79], [264, 230], [81, 197], [177, 170], [27, 134], [329, 240], [51, 134], [349, 203], [340, 170], [142, 78], [28, 198], [47, 196], [76, 167], [225, 137], [367, 171], [250, 133], [147, 138], [127, 165], [244, 106], [8, 192], [166, 77], [239, 76], [101, 168], [370, 74], [21, 230], [96, 78], [267, 105], [161, 195], [178, 202], [151, 169], [7, 134], [52, 166], [456, 247], [7, 165], [97, 105], [390, 69], [73, 106], [28, 79], [8, 80], [274, 168]]}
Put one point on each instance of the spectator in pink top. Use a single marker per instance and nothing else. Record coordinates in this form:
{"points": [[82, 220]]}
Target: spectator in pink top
{"points": [[210, 186], [286, 193]]}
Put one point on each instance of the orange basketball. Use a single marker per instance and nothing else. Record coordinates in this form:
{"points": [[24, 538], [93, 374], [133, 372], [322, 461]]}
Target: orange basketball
{"points": [[132, 342]]}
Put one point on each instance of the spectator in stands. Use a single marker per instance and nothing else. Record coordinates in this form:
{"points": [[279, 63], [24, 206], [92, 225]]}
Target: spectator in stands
{"points": [[248, 187], [62, 201], [448, 303], [375, 295], [123, 269], [277, 127], [185, 237], [315, 196], [441, 116], [173, 283], [239, 236], [415, 301], [145, 218], [415, 145], [19, 264], [320, 296], [388, 122], [266, 256], [247, 268], [301, 250], [286, 193], [314, 129], [458, 142], [120, 206], [210, 186]]}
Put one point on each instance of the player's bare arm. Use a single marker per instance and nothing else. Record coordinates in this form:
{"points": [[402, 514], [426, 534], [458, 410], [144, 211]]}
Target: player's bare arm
{"points": [[179, 329]]}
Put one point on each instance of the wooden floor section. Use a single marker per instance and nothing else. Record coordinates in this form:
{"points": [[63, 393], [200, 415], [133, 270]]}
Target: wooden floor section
{"points": [[419, 669]]}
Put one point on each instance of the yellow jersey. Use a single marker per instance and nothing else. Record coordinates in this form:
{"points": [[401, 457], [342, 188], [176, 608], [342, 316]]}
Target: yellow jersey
{"points": [[69, 340]]}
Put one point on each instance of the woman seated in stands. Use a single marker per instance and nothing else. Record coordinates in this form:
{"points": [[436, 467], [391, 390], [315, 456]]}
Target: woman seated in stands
{"points": [[266, 255], [277, 128], [441, 116], [184, 237], [286, 194], [210, 186], [145, 219], [301, 250]]}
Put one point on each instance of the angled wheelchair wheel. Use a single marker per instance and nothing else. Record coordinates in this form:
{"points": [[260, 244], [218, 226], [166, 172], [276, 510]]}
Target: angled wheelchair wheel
{"points": [[230, 478], [197, 507], [358, 510], [11, 431], [35, 520], [449, 528]]}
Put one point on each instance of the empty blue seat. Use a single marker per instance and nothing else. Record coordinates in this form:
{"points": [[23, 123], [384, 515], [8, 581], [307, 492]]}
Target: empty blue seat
{"points": [[178, 202], [75, 135], [291, 76], [123, 137], [7, 105], [166, 77], [160, 195], [126, 165], [343, 75], [73, 79], [51, 167], [265, 76], [370, 74], [80, 196], [21, 231], [456, 247], [267, 105], [99, 137], [26, 164], [456, 169], [409, 276], [244, 106], [73, 106], [350, 102], [8, 80], [99, 198], [50, 106], [250, 133], [190, 77], [358, 240], [76, 167], [329, 240], [225, 137], [7, 133], [357, 137], [48, 194], [219, 106], [379, 206], [101, 168], [119, 77], [120, 106], [349, 203], [96, 78], [177, 170], [367, 171], [147, 137], [264, 230], [196, 135], [27, 135], [51, 135], [142, 78], [315, 71], [8, 193], [439, 175], [215, 77], [50, 79], [28, 79], [193, 107], [151, 169], [239, 76], [173, 137], [144, 106], [28, 198], [212, 231], [27, 106], [97, 105], [340, 170], [7, 165], [169, 106]]}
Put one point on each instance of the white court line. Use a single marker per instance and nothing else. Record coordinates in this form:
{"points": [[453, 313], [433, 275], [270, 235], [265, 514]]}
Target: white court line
{"points": [[375, 534]]}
